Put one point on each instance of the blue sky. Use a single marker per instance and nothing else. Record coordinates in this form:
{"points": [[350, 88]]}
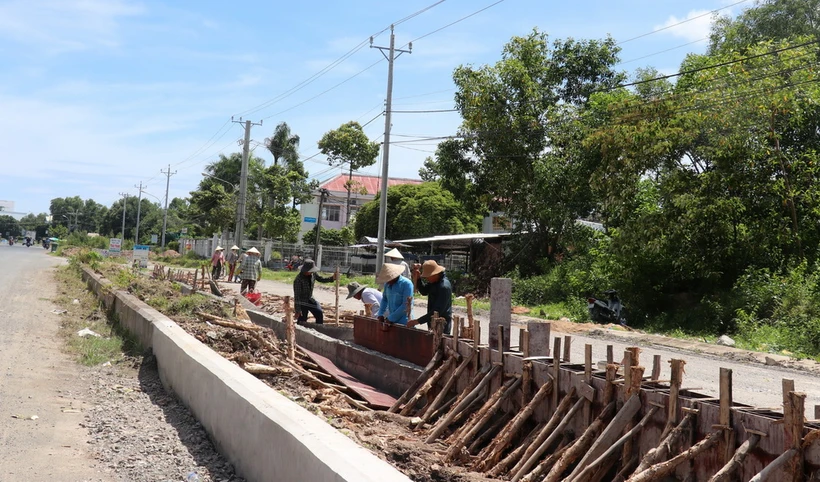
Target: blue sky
{"points": [[98, 95]]}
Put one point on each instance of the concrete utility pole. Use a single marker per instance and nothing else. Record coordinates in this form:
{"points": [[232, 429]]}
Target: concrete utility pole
{"points": [[243, 182], [76, 215], [139, 205], [168, 175], [390, 56], [124, 205], [323, 195]]}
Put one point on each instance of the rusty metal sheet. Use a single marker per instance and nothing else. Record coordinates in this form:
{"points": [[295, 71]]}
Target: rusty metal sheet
{"points": [[415, 346], [374, 397]]}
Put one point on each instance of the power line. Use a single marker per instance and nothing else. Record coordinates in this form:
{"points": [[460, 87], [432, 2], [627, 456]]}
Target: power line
{"points": [[453, 23], [681, 22], [661, 51]]}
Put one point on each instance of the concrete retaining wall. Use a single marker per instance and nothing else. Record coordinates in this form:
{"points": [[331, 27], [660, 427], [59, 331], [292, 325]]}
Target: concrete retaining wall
{"points": [[263, 434]]}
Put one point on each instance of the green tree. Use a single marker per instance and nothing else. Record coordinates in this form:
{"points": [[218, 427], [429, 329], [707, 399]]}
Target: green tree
{"points": [[9, 226], [417, 210], [283, 144], [330, 237], [768, 20], [349, 145], [512, 155], [36, 223]]}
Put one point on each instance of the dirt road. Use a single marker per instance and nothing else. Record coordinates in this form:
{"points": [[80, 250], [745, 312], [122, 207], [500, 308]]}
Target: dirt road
{"points": [[754, 384], [37, 378]]}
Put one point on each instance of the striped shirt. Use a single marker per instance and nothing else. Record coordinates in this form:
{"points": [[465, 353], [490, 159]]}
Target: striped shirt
{"points": [[251, 268]]}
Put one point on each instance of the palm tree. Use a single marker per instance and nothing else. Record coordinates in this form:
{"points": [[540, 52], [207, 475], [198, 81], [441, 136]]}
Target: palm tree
{"points": [[282, 144]]}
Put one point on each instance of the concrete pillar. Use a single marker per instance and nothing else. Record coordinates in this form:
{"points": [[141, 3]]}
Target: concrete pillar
{"points": [[500, 310], [318, 259], [539, 338], [268, 250]]}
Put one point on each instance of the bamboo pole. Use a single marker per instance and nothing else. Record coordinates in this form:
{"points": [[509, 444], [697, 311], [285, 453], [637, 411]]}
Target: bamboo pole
{"points": [[767, 471], [516, 453], [581, 445], [336, 305], [488, 433], [727, 443], [797, 410], [291, 330], [545, 464], [674, 389], [660, 452]]}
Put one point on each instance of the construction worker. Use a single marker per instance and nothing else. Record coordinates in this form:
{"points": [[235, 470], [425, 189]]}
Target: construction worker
{"points": [[397, 290], [231, 258], [395, 257], [366, 295], [439, 291], [303, 300], [250, 271]]}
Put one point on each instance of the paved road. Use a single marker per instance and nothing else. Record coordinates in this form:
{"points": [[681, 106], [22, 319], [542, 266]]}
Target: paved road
{"points": [[753, 384], [37, 378]]}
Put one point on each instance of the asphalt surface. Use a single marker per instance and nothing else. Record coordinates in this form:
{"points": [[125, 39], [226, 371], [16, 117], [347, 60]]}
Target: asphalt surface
{"points": [[37, 378]]}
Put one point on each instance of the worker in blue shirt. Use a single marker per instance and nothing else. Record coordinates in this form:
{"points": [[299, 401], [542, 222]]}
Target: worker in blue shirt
{"points": [[397, 290]]}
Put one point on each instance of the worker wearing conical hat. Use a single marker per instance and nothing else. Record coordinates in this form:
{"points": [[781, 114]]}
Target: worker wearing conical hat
{"points": [[395, 257], [397, 290], [231, 258], [217, 260]]}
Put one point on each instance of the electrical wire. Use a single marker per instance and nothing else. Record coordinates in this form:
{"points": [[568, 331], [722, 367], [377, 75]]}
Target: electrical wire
{"points": [[661, 51], [681, 22], [453, 23]]}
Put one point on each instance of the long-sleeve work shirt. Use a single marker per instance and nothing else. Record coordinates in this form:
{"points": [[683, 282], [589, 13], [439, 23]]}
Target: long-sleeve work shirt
{"points": [[439, 299], [394, 300], [303, 288], [251, 268]]}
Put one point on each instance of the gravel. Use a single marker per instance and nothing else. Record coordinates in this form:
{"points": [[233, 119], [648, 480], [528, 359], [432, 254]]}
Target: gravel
{"points": [[143, 433]]}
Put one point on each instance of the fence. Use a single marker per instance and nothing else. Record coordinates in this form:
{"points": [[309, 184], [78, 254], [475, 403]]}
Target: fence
{"points": [[276, 255]]}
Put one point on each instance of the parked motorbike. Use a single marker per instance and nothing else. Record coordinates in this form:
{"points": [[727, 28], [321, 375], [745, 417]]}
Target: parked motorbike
{"points": [[610, 310]]}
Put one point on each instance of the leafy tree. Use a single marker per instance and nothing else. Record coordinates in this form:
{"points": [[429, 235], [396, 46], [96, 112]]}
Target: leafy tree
{"points": [[9, 226], [283, 144], [330, 237], [59, 208], [417, 210], [768, 20], [36, 223], [349, 145], [510, 156]]}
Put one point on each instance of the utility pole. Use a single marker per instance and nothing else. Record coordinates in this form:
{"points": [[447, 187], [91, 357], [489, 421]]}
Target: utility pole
{"points": [[168, 175], [390, 56], [76, 215], [139, 205], [124, 205], [323, 195], [243, 182]]}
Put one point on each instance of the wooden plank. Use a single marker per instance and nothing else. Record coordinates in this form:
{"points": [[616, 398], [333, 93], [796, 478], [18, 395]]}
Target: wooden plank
{"points": [[567, 348], [556, 370], [726, 448], [656, 367], [797, 403], [610, 354], [587, 381]]}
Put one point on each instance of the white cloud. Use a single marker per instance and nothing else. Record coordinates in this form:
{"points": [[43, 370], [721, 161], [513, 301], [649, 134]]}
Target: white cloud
{"points": [[697, 25], [59, 26]]}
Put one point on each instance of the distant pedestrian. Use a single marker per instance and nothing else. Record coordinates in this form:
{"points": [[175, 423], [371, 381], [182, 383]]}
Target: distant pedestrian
{"points": [[217, 260], [395, 257], [232, 258], [397, 290], [303, 300], [368, 296], [250, 271], [242, 257]]}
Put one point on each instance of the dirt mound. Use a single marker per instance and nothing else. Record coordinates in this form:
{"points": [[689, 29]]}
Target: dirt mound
{"points": [[170, 254]]}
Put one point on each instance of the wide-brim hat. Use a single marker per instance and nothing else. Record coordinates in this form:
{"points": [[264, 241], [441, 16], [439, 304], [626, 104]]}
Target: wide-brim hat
{"points": [[253, 251], [394, 253], [431, 268], [219, 248], [234, 247], [308, 266], [389, 272], [354, 288]]}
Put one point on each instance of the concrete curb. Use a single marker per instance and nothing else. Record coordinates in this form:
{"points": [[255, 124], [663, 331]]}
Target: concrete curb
{"points": [[265, 435]]}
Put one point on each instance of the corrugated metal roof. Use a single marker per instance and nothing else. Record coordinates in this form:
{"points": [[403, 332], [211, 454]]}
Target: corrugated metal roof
{"points": [[454, 237]]}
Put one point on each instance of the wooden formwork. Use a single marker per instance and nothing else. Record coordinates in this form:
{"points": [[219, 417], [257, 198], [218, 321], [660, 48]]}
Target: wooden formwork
{"points": [[542, 418]]}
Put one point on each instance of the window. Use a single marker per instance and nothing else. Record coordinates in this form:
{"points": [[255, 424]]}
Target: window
{"points": [[332, 213], [501, 223]]}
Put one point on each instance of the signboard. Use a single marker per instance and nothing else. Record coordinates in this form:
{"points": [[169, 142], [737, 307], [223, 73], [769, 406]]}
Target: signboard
{"points": [[310, 220], [183, 231], [153, 239], [140, 254], [114, 246]]}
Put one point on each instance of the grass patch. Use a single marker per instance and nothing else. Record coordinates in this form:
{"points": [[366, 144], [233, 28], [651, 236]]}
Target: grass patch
{"points": [[113, 345]]}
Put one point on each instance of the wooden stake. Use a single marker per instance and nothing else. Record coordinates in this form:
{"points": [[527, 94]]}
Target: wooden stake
{"points": [[588, 381], [584, 471], [660, 452], [500, 347], [526, 381], [609, 388], [661, 470], [336, 275], [516, 453], [445, 422], [483, 416], [627, 372], [674, 389], [725, 473], [430, 383], [468, 298], [476, 343], [636, 355], [567, 346], [556, 369], [610, 355], [193, 287], [726, 446], [656, 368], [437, 325], [526, 463], [488, 434], [492, 453], [546, 464], [432, 407], [581, 445], [797, 410], [291, 329], [426, 373]]}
